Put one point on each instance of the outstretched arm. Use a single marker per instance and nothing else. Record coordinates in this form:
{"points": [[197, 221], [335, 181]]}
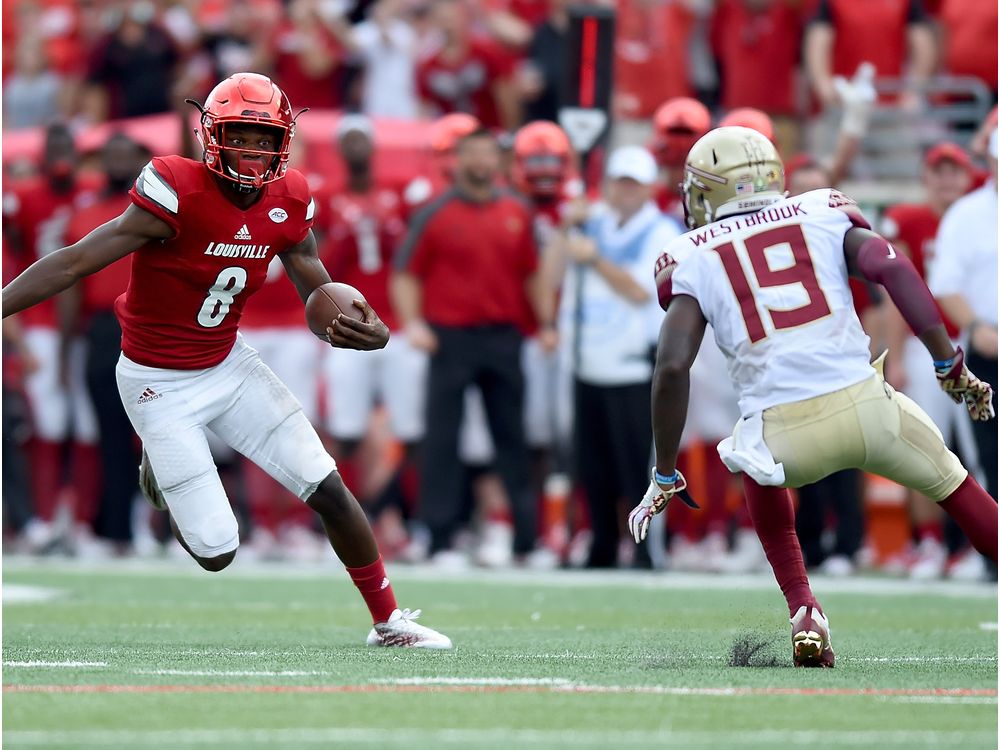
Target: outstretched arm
{"points": [[680, 338], [870, 257], [306, 271], [102, 247]]}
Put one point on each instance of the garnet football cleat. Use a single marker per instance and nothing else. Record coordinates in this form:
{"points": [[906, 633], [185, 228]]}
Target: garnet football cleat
{"points": [[811, 645], [401, 630], [147, 483]]}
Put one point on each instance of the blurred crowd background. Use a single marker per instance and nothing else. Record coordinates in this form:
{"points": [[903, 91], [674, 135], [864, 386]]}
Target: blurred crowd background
{"points": [[891, 101]]}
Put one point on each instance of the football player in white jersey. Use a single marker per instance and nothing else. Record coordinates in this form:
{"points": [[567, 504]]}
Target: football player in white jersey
{"points": [[770, 274]]}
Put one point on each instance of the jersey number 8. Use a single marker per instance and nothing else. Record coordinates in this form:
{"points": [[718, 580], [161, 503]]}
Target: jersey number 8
{"points": [[229, 283], [801, 272]]}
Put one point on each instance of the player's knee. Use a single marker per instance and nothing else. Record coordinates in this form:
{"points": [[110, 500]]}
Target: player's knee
{"points": [[332, 500], [217, 563], [214, 540]]}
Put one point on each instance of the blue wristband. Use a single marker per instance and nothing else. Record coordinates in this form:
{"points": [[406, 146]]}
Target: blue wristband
{"points": [[664, 479], [944, 364]]}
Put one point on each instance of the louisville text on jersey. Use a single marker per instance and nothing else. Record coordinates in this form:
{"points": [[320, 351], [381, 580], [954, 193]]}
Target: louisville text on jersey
{"points": [[231, 250]]}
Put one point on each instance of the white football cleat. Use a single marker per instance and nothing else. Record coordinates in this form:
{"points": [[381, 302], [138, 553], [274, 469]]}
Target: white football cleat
{"points": [[811, 646], [147, 484], [402, 630]]}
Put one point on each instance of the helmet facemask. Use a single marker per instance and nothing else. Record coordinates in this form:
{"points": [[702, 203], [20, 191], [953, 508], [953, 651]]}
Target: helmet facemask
{"points": [[244, 165], [542, 174]]}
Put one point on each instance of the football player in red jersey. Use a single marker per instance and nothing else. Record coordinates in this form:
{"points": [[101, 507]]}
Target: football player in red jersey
{"points": [[677, 124], [362, 225], [35, 214], [201, 235]]}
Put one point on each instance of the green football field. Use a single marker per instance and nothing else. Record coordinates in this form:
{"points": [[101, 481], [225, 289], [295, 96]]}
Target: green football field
{"points": [[162, 655]]}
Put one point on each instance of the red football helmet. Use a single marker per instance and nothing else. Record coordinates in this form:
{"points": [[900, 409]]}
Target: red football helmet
{"points": [[542, 158], [247, 99], [446, 132], [748, 117], [677, 124]]}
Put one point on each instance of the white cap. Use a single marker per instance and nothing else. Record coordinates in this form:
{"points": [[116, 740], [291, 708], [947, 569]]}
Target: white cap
{"points": [[993, 144], [634, 162], [355, 122]]}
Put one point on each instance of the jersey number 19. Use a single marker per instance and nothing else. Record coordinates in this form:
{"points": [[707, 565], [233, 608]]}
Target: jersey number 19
{"points": [[801, 272]]}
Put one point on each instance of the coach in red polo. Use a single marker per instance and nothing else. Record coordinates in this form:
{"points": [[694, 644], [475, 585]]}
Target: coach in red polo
{"points": [[463, 276]]}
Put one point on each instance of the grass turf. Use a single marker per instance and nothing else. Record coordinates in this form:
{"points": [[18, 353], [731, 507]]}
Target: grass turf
{"points": [[541, 660]]}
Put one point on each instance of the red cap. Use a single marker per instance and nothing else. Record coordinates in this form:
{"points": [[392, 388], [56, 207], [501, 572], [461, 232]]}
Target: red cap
{"points": [[947, 152]]}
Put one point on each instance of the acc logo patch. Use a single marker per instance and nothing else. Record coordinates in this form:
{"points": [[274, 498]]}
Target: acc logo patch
{"points": [[277, 215]]}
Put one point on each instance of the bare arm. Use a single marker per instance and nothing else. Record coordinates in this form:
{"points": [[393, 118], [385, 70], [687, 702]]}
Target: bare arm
{"points": [[407, 297], [818, 55], [102, 247], [306, 271], [584, 250], [923, 53], [508, 103], [680, 338]]}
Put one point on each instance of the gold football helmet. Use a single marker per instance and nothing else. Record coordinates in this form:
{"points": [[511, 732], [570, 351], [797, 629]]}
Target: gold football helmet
{"points": [[730, 170]]}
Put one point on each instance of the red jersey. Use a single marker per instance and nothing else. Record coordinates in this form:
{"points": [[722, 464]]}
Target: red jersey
{"points": [[306, 90], [873, 31], [362, 232], [472, 258], [758, 52], [916, 226], [970, 39], [186, 294], [39, 216], [465, 85], [101, 289]]}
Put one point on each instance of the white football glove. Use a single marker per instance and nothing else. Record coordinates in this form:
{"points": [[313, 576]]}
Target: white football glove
{"points": [[858, 97], [654, 502]]}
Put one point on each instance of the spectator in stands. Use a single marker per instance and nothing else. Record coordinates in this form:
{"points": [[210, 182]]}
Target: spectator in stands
{"points": [[132, 69], [306, 53], [88, 309], [963, 277], [33, 94], [756, 46], [609, 316], [464, 72], [233, 47], [541, 75], [969, 40], [652, 60], [463, 273], [894, 35], [387, 44], [912, 228]]}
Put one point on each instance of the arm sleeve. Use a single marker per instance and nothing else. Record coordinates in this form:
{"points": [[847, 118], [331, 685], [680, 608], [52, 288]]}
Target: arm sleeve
{"points": [[154, 192]]}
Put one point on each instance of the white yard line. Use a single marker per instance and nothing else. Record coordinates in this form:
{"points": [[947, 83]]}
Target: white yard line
{"points": [[988, 626], [230, 673], [494, 737], [658, 580], [19, 593], [53, 664]]}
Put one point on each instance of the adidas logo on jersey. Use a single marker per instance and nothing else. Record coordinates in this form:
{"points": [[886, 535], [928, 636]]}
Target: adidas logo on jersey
{"points": [[148, 395], [243, 234]]}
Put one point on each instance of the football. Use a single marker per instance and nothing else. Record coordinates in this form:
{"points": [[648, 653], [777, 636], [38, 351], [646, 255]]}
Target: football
{"points": [[327, 302]]}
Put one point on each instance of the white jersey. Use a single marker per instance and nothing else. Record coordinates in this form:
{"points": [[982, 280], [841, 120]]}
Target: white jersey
{"points": [[773, 285]]}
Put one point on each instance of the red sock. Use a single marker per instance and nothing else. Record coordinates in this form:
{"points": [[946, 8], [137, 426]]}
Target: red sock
{"points": [[46, 477], [930, 530], [976, 514], [375, 589], [261, 496], [774, 520], [717, 482]]}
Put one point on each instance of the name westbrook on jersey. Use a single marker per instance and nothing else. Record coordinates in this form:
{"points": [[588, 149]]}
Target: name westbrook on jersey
{"points": [[773, 285], [208, 278]]}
